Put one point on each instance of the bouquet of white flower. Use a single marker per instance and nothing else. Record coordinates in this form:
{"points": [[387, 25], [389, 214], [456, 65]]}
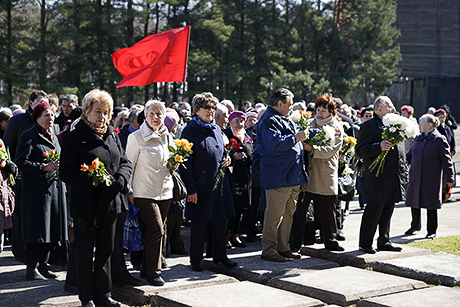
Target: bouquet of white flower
{"points": [[396, 129], [324, 137]]}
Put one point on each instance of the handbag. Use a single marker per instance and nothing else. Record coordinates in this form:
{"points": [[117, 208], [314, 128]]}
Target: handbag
{"points": [[132, 236], [346, 187], [179, 189]]}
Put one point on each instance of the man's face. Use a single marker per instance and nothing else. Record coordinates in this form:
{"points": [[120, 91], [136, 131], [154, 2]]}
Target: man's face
{"points": [[366, 116], [67, 107], [385, 108], [222, 120], [38, 100], [285, 108]]}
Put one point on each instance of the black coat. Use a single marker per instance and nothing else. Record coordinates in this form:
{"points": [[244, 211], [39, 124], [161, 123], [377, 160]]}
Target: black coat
{"points": [[16, 126], [390, 185], [80, 146], [44, 217], [200, 174], [123, 135]]}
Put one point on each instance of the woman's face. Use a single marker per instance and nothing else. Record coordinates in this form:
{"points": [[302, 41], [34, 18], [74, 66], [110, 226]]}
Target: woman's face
{"points": [[442, 118], [424, 125], [46, 119], [155, 117], [99, 114], [405, 113], [251, 121], [322, 113], [3, 124], [237, 123], [206, 113]]}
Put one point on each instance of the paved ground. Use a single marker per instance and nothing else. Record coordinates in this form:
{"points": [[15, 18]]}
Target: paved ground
{"points": [[320, 277]]}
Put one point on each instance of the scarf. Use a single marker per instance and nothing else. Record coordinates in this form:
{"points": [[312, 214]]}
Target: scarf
{"points": [[202, 123], [98, 130], [45, 133], [239, 133], [318, 123]]}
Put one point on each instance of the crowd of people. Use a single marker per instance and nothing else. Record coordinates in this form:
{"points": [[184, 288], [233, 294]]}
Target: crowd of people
{"points": [[83, 187]]}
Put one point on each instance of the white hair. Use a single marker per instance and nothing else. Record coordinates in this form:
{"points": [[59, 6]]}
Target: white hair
{"points": [[156, 103], [221, 109]]}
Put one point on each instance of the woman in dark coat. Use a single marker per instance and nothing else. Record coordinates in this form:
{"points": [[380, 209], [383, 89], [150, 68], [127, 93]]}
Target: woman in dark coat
{"points": [[205, 204], [44, 217], [94, 208], [240, 174], [430, 160]]}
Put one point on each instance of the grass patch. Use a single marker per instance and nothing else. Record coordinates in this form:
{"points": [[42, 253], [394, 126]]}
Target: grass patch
{"points": [[450, 245]]}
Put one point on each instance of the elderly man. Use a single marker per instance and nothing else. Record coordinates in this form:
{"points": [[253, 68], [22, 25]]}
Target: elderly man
{"points": [[221, 116], [282, 172], [383, 191]]}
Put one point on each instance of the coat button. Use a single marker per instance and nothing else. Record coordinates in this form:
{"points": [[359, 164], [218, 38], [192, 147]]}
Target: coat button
{"points": [[112, 165], [203, 171], [217, 146]]}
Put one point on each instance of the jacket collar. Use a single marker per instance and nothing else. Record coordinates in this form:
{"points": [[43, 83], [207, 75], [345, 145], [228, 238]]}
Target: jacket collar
{"points": [[45, 138], [87, 135], [149, 134]]}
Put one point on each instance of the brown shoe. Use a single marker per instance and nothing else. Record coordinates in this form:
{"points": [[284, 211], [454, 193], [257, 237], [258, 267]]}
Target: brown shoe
{"points": [[274, 258], [290, 255]]}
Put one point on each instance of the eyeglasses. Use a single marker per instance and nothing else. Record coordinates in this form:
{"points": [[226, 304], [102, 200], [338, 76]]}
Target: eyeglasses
{"points": [[209, 108]]}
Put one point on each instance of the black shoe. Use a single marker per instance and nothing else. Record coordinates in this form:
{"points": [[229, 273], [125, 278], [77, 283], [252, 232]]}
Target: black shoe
{"points": [[227, 262], [156, 281], [197, 267], [431, 236], [340, 237], [179, 251], [70, 289], [88, 304], [237, 244], [107, 302], [389, 248], [34, 275], [367, 250], [336, 248], [411, 231], [45, 271], [132, 281]]}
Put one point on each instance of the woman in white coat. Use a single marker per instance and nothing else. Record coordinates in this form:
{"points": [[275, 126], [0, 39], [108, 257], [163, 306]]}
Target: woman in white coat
{"points": [[152, 184]]}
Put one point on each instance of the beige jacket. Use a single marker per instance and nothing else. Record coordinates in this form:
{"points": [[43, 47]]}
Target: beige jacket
{"points": [[149, 153], [323, 162]]}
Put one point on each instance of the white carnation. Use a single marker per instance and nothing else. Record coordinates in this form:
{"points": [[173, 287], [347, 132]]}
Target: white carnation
{"points": [[329, 133], [295, 116]]}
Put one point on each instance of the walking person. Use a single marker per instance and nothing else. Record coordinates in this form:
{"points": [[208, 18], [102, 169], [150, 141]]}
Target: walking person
{"points": [[430, 161]]}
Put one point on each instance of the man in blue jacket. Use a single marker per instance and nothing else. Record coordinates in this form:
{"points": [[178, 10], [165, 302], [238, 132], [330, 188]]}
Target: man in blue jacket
{"points": [[282, 172]]}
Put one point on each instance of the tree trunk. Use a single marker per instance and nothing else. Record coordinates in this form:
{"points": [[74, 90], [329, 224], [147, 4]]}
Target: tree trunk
{"points": [[9, 61], [42, 48]]}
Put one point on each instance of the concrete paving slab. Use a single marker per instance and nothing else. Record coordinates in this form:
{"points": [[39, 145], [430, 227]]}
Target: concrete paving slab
{"points": [[344, 285], [435, 296], [251, 267], [239, 294], [178, 277], [437, 269], [356, 258]]}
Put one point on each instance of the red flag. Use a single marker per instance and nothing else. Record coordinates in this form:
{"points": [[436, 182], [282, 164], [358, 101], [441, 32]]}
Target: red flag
{"points": [[157, 58]]}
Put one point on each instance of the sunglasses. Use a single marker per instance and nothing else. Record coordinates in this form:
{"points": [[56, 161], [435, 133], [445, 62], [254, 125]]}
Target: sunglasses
{"points": [[208, 108]]}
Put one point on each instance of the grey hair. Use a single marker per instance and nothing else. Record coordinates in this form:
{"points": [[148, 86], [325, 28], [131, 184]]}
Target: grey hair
{"points": [[281, 94], [431, 120], [221, 109], [133, 114], [72, 99], [300, 105], [380, 100], [156, 103]]}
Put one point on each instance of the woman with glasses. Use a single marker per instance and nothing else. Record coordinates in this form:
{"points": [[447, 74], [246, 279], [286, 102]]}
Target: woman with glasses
{"points": [[209, 201]]}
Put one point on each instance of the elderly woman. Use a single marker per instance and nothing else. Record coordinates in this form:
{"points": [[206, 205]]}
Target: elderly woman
{"points": [[5, 115], [430, 160], [44, 217], [323, 165], [205, 204], [240, 175], [152, 184], [94, 208]]}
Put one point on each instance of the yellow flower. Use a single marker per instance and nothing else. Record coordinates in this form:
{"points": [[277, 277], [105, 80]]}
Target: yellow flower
{"points": [[188, 147], [178, 158], [352, 140], [177, 142]]}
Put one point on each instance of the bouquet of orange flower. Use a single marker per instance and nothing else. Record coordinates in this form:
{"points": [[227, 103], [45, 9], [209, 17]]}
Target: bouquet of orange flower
{"points": [[231, 146], [347, 145], [179, 154], [301, 118], [5, 158], [97, 170], [51, 156]]}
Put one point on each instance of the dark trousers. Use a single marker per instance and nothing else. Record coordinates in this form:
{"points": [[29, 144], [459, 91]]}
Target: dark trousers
{"points": [[118, 268], [71, 276], [432, 220], [94, 282], [37, 254], [153, 215], [251, 215], [17, 245], [360, 188], [325, 217], [218, 229], [299, 232], [173, 226], [376, 214]]}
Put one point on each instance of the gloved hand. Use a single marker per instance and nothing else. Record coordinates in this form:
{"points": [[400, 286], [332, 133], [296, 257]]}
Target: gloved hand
{"points": [[10, 167], [118, 184]]}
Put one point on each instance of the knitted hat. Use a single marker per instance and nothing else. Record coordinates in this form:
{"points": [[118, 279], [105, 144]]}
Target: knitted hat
{"points": [[236, 114], [171, 119], [440, 111], [251, 114]]}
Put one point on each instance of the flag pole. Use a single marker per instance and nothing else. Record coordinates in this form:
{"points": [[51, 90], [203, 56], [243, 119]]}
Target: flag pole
{"points": [[186, 61]]}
